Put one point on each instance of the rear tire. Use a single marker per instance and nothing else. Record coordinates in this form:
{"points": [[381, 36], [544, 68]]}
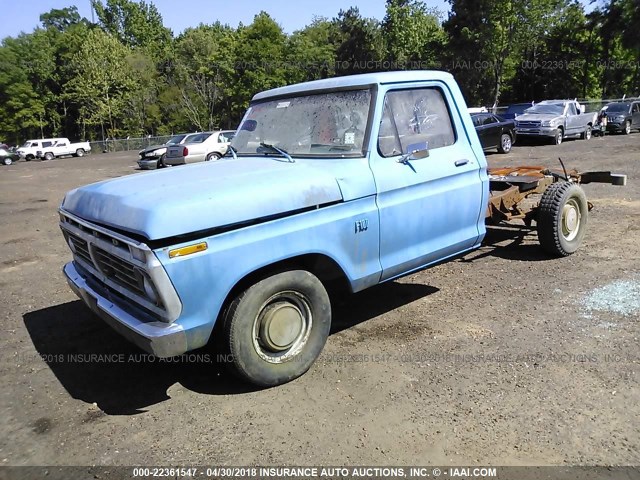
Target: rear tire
{"points": [[586, 135], [505, 143], [48, 156], [212, 157], [276, 328], [80, 152], [562, 218]]}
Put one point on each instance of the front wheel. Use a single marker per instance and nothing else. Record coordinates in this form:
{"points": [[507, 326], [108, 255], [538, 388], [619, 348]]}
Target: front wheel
{"points": [[505, 143], [586, 135], [277, 328], [627, 128], [562, 218], [558, 137], [7, 161], [161, 163]]}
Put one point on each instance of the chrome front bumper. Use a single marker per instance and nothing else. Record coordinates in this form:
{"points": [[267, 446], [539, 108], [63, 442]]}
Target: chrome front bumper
{"points": [[159, 338]]}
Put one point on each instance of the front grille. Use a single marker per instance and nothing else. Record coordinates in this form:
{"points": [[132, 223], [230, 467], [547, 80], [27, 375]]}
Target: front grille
{"points": [[529, 124], [119, 270], [81, 248]]}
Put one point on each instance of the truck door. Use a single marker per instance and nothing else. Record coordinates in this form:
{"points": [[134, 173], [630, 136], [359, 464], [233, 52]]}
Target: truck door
{"points": [[635, 115], [571, 119], [429, 208]]}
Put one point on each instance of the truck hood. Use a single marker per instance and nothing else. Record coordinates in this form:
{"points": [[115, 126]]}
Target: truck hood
{"points": [[203, 196], [542, 117]]}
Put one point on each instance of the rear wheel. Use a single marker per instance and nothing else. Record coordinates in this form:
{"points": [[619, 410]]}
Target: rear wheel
{"points": [[562, 218], [212, 157], [48, 156], [80, 152], [276, 328], [505, 143], [586, 135]]}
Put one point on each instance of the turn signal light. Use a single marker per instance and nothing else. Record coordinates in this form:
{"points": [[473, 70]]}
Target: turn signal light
{"points": [[188, 250]]}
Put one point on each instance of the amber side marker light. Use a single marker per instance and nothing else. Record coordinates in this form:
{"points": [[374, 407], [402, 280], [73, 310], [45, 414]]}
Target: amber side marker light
{"points": [[188, 250]]}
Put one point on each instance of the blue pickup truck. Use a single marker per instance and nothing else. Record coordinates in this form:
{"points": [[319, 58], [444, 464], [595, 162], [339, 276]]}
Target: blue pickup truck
{"points": [[336, 184]]}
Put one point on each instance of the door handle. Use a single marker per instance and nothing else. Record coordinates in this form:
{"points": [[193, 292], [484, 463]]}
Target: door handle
{"points": [[460, 163]]}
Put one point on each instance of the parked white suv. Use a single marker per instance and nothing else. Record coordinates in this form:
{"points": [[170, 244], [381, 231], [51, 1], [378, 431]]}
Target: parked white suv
{"points": [[30, 148], [63, 147], [203, 147]]}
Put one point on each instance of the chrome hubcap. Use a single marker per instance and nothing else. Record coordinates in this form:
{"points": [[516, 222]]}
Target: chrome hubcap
{"points": [[570, 220], [506, 143], [282, 326]]}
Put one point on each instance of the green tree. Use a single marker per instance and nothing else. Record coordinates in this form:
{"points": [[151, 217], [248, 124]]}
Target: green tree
{"points": [[311, 52], [135, 24], [412, 33], [360, 43], [103, 82], [60, 19]]}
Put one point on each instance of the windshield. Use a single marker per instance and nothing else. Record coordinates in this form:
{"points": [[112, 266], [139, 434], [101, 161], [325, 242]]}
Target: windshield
{"points": [[547, 108], [618, 107], [517, 108], [321, 125], [175, 140], [26, 145]]}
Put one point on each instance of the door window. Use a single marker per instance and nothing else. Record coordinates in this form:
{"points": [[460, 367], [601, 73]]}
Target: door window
{"points": [[412, 118]]}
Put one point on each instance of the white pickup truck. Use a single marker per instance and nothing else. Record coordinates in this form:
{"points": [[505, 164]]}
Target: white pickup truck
{"points": [[63, 147]]}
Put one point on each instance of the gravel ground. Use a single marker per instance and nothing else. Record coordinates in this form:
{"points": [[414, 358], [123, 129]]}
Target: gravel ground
{"points": [[503, 357]]}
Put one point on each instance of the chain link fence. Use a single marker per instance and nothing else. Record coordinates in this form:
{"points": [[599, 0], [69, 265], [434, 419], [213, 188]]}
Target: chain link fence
{"points": [[127, 144]]}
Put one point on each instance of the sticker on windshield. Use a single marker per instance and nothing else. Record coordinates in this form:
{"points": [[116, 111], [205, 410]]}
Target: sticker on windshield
{"points": [[349, 138], [283, 104]]}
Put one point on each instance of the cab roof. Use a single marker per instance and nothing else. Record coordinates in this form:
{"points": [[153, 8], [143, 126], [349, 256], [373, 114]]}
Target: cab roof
{"points": [[356, 81]]}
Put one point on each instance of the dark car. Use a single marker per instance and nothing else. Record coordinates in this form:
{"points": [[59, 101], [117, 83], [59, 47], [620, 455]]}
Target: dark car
{"points": [[7, 157], [514, 110], [494, 131], [623, 116]]}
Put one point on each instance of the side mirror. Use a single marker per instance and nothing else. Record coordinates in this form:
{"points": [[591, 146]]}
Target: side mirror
{"points": [[413, 156]]}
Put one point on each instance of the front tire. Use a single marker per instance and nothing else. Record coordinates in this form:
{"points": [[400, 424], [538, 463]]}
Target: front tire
{"points": [[276, 328], [558, 137], [7, 161], [505, 143], [627, 128], [562, 218], [161, 163]]}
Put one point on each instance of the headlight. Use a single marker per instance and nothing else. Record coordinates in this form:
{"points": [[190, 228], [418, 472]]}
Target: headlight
{"points": [[149, 290], [549, 123]]}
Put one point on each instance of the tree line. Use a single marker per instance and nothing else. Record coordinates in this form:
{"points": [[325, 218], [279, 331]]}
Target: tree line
{"points": [[129, 75]]}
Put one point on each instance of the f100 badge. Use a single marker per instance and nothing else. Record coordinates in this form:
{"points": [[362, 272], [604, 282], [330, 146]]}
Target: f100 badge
{"points": [[362, 225]]}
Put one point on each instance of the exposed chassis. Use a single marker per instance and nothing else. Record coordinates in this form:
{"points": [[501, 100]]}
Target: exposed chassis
{"points": [[511, 187]]}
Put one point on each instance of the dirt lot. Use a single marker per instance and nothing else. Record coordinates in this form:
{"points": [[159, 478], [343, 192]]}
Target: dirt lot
{"points": [[503, 357]]}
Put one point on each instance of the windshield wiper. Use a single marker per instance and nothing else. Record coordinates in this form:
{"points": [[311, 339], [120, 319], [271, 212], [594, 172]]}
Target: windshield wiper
{"points": [[278, 150]]}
